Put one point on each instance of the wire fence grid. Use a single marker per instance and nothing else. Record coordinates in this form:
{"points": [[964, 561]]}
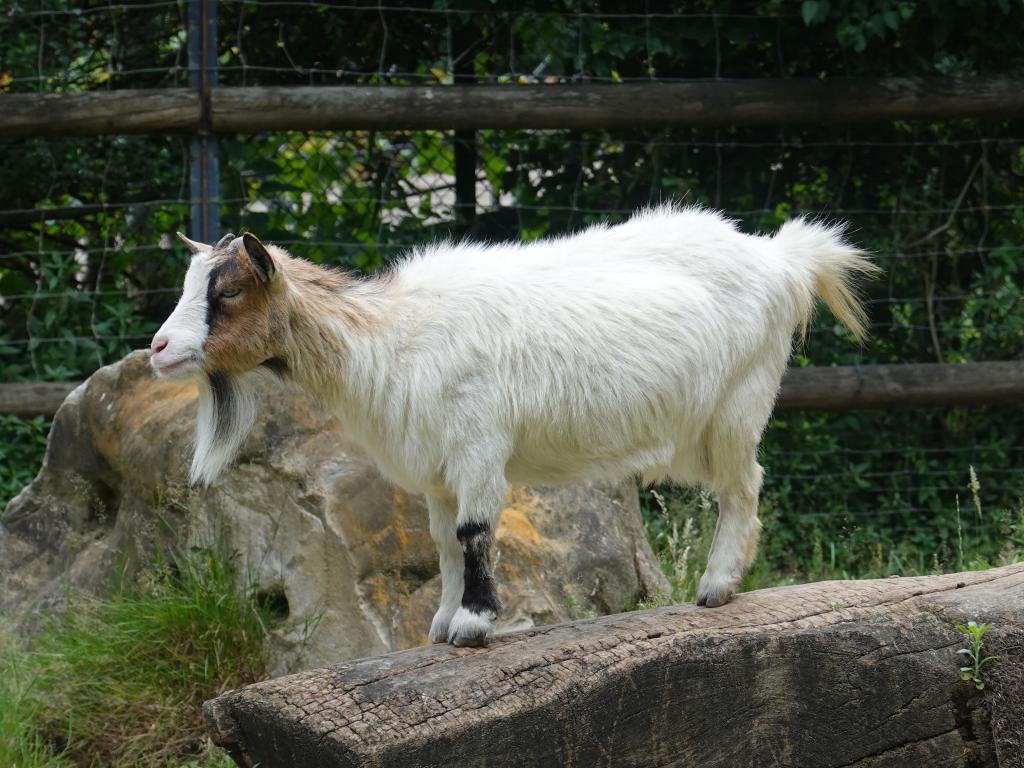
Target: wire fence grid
{"points": [[89, 265]]}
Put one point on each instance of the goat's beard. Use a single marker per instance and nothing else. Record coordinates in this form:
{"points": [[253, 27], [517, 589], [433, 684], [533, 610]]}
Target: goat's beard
{"points": [[227, 411]]}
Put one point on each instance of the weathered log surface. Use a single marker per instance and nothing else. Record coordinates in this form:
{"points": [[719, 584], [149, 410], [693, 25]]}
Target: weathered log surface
{"points": [[693, 103], [861, 673]]}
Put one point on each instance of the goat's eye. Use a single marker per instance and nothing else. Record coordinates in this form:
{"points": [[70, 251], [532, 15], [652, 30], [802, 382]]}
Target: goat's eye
{"points": [[230, 293]]}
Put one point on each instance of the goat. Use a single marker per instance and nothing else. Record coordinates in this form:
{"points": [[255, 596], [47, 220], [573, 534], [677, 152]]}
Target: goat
{"points": [[652, 348]]}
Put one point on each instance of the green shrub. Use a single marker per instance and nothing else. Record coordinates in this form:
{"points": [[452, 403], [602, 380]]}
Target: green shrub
{"points": [[22, 445]]}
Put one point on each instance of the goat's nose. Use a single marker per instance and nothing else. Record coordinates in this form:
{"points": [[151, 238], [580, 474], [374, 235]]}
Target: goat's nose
{"points": [[159, 344]]}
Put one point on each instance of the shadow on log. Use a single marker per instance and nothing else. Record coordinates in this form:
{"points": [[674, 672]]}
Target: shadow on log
{"points": [[856, 673]]}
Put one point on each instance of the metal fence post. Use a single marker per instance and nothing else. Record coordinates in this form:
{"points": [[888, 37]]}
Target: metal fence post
{"points": [[204, 166], [465, 146], [465, 178]]}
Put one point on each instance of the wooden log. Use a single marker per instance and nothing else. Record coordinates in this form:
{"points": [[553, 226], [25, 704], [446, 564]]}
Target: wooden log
{"points": [[831, 674], [708, 103], [27, 399], [99, 113], [693, 103], [918, 385], [843, 388]]}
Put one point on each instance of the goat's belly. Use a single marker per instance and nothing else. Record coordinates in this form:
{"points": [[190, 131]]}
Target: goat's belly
{"points": [[551, 467]]}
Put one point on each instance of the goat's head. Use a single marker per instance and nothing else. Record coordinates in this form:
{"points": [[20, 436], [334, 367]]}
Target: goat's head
{"points": [[228, 322], [225, 321]]}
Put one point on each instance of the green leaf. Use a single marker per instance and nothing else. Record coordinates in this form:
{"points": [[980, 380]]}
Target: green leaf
{"points": [[809, 10]]}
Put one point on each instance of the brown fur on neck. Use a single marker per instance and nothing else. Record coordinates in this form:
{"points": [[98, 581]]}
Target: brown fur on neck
{"points": [[325, 308], [300, 320]]}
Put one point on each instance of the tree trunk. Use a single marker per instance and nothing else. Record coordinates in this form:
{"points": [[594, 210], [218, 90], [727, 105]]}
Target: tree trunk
{"points": [[857, 673]]}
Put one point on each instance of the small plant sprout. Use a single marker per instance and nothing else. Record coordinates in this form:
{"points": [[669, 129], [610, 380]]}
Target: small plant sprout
{"points": [[678, 545], [972, 673], [975, 486]]}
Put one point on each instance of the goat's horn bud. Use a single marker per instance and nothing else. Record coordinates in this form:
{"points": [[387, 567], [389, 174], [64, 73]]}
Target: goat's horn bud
{"points": [[192, 245]]}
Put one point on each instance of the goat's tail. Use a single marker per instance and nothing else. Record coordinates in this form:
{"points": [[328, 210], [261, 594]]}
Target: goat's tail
{"points": [[835, 267]]}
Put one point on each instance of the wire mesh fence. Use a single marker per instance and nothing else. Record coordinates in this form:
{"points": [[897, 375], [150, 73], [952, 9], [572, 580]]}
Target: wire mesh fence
{"points": [[89, 265]]}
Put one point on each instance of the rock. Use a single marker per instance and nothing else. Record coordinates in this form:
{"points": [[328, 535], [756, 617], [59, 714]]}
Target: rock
{"points": [[345, 555], [855, 673]]}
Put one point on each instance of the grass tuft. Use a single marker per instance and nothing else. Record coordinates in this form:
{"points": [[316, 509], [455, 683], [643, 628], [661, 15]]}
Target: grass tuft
{"points": [[120, 681], [22, 745], [680, 525]]}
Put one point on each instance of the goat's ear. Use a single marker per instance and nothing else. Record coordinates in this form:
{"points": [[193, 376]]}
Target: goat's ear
{"points": [[259, 256], [224, 240], [192, 245]]}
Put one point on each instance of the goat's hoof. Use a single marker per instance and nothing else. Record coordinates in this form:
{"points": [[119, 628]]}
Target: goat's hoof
{"points": [[438, 632], [439, 626], [714, 601], [469, 628], [714, 597]]}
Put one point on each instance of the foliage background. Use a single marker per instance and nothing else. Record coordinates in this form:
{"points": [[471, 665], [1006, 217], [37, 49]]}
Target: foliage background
{"points": [[88, 267]]}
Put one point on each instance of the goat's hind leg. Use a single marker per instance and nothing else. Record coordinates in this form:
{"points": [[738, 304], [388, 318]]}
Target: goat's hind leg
{"points": [[736, 535], [443, 514], [732, 471]]}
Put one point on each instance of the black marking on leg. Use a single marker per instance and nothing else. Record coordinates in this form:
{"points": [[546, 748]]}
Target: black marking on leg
{"points": [[223, 391], [478, 593]]}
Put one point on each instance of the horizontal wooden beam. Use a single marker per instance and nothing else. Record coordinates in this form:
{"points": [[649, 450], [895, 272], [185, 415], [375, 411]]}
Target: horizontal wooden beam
{"points": [[922, 385], [27, 399], [711, 103], [99, 113], [694, 103], [844, 388]]}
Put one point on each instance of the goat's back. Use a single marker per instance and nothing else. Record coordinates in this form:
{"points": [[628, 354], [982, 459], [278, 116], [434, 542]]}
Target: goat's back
{"points": [[594, 354]]}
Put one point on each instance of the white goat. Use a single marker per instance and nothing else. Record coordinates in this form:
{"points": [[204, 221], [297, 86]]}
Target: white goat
{"points": [[651, 348]]}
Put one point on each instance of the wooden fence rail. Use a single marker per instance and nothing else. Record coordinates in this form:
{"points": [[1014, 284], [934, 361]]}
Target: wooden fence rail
{"points": [[694, 103], [846, 388], [919, 385]]}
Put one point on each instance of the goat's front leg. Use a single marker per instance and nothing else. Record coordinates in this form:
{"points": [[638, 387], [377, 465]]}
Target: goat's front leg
{"points": [[478, 516], [443, 512]]}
